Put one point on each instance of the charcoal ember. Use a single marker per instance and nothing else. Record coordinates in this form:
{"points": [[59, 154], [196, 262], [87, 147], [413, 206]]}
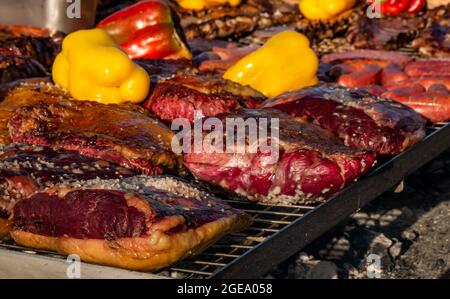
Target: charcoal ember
{"points": [[14, 68], [308, 166], [183, 95], [124, 134], [360, 119]]}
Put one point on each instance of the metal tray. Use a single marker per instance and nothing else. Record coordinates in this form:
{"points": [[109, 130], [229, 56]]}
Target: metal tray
{"points": [[58, 15], [278, 232]]}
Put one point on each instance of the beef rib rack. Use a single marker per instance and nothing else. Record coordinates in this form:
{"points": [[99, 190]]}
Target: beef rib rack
{"points": [[309, 166]]}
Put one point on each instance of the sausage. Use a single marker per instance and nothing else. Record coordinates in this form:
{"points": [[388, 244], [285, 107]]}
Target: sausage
{"points": [[370, 74], [439, 88], [414, 70], [389, 56], [393, 73], [425, 81], [434, 106], [402, 92]]}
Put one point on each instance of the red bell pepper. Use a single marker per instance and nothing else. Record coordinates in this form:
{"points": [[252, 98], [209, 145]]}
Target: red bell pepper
{"points": [[416, 6], [395, 7], [148, 29]]}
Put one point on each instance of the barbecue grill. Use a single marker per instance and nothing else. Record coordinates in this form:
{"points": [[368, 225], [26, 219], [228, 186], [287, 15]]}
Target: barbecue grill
{"points": [[277, 233]]}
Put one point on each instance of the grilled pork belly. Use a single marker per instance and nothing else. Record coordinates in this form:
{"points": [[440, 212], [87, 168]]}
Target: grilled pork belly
{"points": [[360, 119], [25, 170], [115, 133], [140, 223], [308, 166], [182, 95]]}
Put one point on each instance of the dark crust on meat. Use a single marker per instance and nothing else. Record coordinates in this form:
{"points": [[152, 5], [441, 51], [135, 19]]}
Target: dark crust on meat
{"points": [[28, 169], [108, 132], [398, 121], [14, 68]]}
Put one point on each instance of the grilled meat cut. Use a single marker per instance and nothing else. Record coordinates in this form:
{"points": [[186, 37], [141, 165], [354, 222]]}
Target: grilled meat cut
{"points": [[434, 41], [140, 223], [109, 132], [13, 68], [227, 21], [24, 95], [306, 163], [387, 33], [360, 119], [181, 96], [25, 170], [41, 49]]}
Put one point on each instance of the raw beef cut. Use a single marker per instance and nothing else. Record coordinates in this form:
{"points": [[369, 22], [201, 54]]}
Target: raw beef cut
{"points": [[140, 223], [307, 166], [360, 119]]}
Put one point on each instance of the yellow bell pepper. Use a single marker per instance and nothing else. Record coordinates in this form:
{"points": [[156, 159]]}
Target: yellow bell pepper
{"points": [[202, 4], [92, 67], [324, 9], [285, 63]]}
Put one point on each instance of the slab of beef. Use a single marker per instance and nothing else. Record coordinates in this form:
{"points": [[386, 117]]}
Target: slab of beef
{"points": [[181, 96], [18, 94], [140, 223], [38, 44], [109, 132], [25, 170], [13, 68], [227, 21], [360, 119], [305, 165]]}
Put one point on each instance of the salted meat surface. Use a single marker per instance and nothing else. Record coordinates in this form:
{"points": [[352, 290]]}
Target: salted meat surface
{"points": [[25, 170], [139, 223], [360, 119], [183, 95], [110, 132], [308, 166]]}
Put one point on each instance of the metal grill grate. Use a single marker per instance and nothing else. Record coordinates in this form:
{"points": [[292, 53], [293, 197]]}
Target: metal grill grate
{"points": [[267, 220]]}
